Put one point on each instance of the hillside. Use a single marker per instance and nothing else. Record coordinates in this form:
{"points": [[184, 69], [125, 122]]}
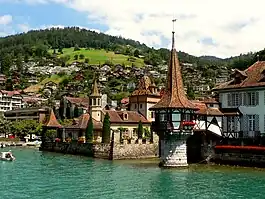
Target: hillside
{"points": [[39, 44], [94, 56]]}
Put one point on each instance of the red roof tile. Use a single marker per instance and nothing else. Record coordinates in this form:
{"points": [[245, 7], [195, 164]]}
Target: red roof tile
{"points": [[52, 121], [204, 110], [144, 87], [79, 101], [174, 95], [119, 117], [10, 93], [251, 77], [82, 123]]}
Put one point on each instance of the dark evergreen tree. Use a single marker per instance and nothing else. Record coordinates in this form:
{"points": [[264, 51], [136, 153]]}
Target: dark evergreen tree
{"points": [[106, 129], [140, 130], [76, 112], [9, 85], [89, 130]]}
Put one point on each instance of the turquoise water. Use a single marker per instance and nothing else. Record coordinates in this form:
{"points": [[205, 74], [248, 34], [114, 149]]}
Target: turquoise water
{"points": [[42, 175]]}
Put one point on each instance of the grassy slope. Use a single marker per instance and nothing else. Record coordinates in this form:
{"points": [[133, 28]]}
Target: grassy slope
{"points": [[54, 78], [100, 56]]}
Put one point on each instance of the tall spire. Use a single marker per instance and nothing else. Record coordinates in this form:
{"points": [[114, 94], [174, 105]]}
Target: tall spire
{"points": [[95, 91], [174, 96]]}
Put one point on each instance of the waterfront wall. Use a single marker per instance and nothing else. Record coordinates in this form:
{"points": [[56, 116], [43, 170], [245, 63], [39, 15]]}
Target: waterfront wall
{"points": [[241, 158], [135, 151], [104, 151]]}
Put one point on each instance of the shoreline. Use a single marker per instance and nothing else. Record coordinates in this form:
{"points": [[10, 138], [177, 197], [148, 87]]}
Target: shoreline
{"points": [[8, 144]]}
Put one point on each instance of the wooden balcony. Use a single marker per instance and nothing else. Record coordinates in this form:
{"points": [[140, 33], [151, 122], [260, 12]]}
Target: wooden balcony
{"points": [[242, 134]]}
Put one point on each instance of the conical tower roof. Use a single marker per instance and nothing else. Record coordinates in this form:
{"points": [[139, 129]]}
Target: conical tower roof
{"points": [[95, 91], [174, 94], [52, 121]]}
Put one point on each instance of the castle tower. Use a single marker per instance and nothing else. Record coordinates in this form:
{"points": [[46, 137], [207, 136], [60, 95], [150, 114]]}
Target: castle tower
{"points": [[95, 102], [173, 117], [143, 97]]}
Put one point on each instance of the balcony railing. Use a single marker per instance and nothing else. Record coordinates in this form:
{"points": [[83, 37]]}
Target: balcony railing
{"points": [[242, 134]]}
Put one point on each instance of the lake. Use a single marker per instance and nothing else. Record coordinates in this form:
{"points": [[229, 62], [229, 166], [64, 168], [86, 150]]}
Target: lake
{"points": [[44, 175]]}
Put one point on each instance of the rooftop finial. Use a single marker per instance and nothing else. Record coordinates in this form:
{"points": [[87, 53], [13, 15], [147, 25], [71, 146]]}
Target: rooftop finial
{"points": [[173, 32]]}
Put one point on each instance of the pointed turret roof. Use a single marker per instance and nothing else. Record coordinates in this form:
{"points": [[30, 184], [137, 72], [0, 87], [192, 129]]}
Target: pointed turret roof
{"points": [[95, 91], [174, 95], [52, 121]]}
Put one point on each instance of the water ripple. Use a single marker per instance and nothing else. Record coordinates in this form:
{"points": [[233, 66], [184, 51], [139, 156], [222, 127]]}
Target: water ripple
{"points": [[42, 175]]}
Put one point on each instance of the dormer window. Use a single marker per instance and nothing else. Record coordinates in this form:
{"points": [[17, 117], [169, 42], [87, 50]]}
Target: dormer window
{"points": [[125, 116]]}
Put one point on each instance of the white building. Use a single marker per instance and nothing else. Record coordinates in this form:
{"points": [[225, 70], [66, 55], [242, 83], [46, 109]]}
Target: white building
{"points": [[245, 92], [10, 100]]}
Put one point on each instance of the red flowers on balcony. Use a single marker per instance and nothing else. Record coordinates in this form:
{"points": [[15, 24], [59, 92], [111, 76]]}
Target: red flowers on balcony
{"points": [[188, 123]]}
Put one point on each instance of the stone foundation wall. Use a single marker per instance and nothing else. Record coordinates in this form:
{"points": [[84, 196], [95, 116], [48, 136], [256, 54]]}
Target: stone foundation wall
{"points": [[135, 151], [174, 153], [105, 151], [250, 158]]}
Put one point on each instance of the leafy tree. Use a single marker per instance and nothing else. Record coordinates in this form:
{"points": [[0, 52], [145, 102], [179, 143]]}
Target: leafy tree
{"points": [[106, 129], [140, 130], [76, 57], [136, 53], [86, 60], [76, 48], [81, 56], [19, 63], [190, 93], [26, 58], [25, 127], [60, 50], [6, 64], [89, 130], [5, 125]]}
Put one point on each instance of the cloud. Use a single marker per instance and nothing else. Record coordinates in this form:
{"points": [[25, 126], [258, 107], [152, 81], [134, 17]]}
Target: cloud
{"points": [[5, 19], [233, 27], [24, 27]]}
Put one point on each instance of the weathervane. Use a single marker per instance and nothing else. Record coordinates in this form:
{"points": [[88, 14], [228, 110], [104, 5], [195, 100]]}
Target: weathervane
{"points": [[173, 32], [173, 21]]}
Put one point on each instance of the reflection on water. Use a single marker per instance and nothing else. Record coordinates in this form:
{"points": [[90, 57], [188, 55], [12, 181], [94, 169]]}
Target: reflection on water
{"points": [[40, 175]]}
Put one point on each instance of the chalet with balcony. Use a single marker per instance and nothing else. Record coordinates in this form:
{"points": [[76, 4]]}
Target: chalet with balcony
{"points": [[246, 93]]}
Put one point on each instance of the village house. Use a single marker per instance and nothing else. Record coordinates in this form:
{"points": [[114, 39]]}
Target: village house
{"points": [[245, 92], [143, 97], [10, 100]]}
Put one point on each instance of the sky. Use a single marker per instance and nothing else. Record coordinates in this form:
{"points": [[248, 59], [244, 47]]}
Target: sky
{"points": [[203, 27]]}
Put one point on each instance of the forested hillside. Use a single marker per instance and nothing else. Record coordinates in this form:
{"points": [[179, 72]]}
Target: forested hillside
{"points": [[39, 43]]}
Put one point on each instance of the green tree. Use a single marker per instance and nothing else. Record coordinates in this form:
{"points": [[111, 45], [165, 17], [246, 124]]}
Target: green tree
{"points": [[81, 56], [9, 85], [140, 130], [26, 58], [25, 127], [190, 93], [106, 129], [19, 63], [76, 48], [86, 60], [76, 57], [60, 50], [6, 64], [76, 112], [89, 130], [136, 53]]}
